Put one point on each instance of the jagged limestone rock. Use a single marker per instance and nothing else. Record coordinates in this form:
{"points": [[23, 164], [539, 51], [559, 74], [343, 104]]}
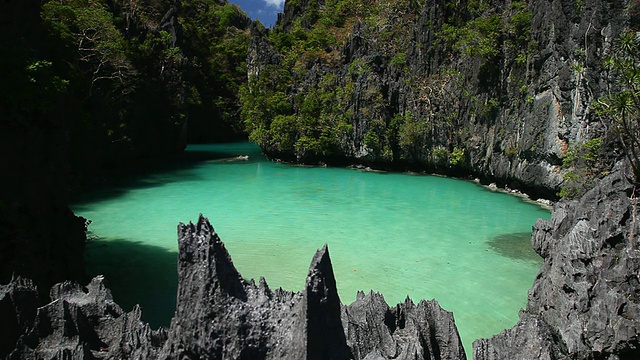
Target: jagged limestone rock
{"points": [[220, 315], [18, 304], [585, 302], [374, 328], [85, 323]]}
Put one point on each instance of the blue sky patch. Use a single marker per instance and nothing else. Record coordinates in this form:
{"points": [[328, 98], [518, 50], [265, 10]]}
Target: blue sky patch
{"points": [[264, 10]]}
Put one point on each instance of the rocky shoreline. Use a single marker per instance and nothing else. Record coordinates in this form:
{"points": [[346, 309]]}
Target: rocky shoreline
{"points": [[584, 304], [585, 301]]}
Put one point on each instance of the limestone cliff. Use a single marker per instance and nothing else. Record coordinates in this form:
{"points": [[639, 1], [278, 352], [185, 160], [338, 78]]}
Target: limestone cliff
{"points": [[495, 89], [585, 302], [40, 237]]}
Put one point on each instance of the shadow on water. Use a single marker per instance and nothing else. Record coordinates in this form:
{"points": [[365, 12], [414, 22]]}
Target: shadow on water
{"points": [[137, 273], [159, 173], [515, 245]]}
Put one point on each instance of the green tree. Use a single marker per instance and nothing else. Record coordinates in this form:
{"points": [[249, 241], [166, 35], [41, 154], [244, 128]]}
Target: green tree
{"points": [[88, 27], [216, 41], [622, 107]]}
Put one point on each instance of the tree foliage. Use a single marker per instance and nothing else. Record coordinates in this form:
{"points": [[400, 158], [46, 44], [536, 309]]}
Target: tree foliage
{"points": [[583, 164], [368, 45], [622, 106], [482, 34], [216, 40], [316, 129], [87, 28], [122, 77]]}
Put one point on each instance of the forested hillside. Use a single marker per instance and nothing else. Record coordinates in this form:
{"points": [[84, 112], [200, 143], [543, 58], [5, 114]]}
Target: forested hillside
{"points": [[501, 90], [543, 96], [94, 86], [513, 92]]}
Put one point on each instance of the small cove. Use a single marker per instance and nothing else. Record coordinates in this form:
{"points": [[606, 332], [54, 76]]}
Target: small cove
{"points": [[398, 234]]}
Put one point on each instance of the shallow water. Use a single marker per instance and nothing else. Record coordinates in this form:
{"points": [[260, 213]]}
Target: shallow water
{"points": [[398, 234]]}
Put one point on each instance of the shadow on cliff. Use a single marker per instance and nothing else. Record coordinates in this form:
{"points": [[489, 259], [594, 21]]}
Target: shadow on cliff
{"points": [[516, 246], [137, 273]]}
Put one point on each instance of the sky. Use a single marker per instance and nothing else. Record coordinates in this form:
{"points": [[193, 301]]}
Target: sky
{"points": [[264, 10]]}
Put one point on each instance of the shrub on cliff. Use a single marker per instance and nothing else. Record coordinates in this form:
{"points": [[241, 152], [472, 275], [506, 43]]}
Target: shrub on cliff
{"points": [[621, 107], [363, 58]]}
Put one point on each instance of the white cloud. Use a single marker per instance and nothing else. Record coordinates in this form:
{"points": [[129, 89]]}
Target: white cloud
{"points": [[275, 3]]}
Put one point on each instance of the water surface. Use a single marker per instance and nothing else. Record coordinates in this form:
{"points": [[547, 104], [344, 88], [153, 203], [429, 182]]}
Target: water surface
{"points": [[398, 234]]}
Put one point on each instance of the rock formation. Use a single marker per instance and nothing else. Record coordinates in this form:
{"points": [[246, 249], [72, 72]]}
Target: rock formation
{"points": [[220, 315], [585, 302], [78, 323], [407, 331], [412, 90], [509, 117]]}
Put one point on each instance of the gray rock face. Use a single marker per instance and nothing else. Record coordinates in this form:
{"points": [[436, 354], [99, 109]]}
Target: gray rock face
{"points": [[81, 323], [585, 302], [530, 338], [220, 315], [18, 304], [376, 331], [514, 114]]}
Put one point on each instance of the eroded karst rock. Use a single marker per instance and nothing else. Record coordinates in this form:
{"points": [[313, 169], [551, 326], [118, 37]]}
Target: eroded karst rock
{"points": [[18, 304], [406, 331], [220, 315], [585, 302], [81, 323]]}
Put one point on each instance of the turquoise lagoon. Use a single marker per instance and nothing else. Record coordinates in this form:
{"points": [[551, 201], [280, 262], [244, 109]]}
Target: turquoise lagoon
{"points": [[399, 234]]}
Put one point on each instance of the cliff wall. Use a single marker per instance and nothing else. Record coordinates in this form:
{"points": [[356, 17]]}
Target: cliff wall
{"points": [[585, 301], [495, 89]]}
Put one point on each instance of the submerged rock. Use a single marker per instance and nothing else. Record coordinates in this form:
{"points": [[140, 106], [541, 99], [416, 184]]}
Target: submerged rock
{"points": [[585, 302], [220, 315]]}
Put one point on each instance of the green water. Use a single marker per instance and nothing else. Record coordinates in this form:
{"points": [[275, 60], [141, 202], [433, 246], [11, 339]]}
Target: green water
{"points": [[399, 234]]}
